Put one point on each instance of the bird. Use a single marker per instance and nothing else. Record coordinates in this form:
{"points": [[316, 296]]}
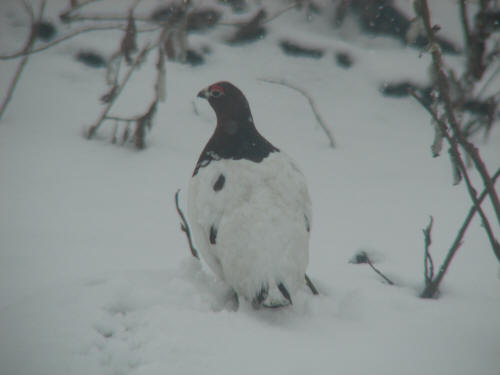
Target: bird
{"points": [[249, 206]]}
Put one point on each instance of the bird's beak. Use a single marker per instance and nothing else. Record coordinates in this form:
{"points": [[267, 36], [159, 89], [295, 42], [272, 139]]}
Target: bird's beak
{"points": [[204, 93]]}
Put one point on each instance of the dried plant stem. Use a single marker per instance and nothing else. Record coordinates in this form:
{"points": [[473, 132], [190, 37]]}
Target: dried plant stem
{"points": [[28, 45], [463, 169], [464, 17], [137, 61], [428, 262], [432, 287], [12, 85], [109, 17], [74, 6], [311, 101], [70, 35], [185, 227], [458, 136], [489, 81], [367, 260], [293, 5], [450, 129]]}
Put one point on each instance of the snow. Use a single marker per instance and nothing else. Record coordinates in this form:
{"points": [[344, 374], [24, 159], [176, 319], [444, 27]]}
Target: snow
{"points": [[96, 277]]}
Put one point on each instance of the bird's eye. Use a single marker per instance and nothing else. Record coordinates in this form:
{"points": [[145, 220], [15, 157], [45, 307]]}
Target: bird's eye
{"points": [[216, 91]]}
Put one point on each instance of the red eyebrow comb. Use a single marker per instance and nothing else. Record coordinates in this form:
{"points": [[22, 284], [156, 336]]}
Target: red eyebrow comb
{"points": [[216, 88]]}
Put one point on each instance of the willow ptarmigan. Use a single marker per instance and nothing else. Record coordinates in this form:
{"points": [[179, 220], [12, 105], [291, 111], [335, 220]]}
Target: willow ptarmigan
{"points": [[249, 206]]}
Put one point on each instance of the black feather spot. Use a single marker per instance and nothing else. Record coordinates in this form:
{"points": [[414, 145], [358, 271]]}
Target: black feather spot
{"points": [[308, 224], [219, 184], [213, 235], [282, 288]]}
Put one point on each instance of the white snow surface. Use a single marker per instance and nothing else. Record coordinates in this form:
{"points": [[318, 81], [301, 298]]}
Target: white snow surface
{"points": [[260, 216], [96, 277]]}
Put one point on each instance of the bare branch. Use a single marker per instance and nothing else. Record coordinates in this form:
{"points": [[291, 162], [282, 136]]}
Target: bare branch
{"points": [[66, 15], [363, 258], [12, 85], [304, 93], [28, 45], [369, 262], [465, 23], [294, 5], [160, 86], [428, 262], [459, 163], [432, 288], [137, 61], [143, 123], [185, 226], [489, 81], [105, 18], [443, 86], [52, 43]]}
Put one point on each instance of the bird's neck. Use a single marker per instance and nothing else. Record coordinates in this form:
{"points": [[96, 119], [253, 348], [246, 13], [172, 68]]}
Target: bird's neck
{"points": [[238, 138], [233, 123], [235, 140]]}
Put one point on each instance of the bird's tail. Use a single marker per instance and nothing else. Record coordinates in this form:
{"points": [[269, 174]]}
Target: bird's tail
{"points": [[272, 297]]}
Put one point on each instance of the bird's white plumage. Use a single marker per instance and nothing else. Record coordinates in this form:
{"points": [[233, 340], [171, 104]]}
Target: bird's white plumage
{"points": [[262, 216]]}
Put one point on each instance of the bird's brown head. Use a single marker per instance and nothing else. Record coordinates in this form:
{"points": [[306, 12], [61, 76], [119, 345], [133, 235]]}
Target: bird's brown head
{"points": [[228, 102]]}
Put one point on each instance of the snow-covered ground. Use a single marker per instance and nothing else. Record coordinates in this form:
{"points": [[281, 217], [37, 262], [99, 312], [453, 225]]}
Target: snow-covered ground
{"points": [[96, 276]]}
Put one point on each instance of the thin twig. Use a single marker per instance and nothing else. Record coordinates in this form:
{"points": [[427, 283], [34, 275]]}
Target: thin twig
{"points": [[26, 50], [12, 85], [431, 289], [428, 262], [465, 23], [109, 17], [137, 61], [304, 93], [363, 258], [443, 86], [369, 262], [463, 169], [74, 6], [122, 119], [488, 81], [70, 35], [280, 12], [185, 227]]}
